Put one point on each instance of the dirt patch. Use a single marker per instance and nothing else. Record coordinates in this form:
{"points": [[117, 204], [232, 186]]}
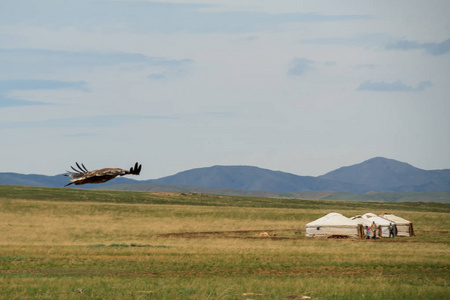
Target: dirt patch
{"points": [[237, 234], [337, 236], [281, 234]]}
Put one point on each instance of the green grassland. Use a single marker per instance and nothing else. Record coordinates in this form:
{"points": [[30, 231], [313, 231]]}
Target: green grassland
{"points": [[89, 244]]}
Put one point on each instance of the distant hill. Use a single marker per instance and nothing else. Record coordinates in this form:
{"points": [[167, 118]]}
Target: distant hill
{"points": [[50, 181], [32, 180], [374, 175], [388, 175], [252, 179]]}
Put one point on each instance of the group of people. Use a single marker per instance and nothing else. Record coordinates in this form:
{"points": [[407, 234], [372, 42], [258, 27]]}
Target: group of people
{"points": [[373, 228]]}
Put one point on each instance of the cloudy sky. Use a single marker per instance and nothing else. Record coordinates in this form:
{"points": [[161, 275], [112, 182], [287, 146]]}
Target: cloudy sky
{"points": [[299, 86]]}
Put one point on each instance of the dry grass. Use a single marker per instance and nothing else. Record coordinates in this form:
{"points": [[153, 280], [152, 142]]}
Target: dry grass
{"points": [[55, 249], [49, 223]]}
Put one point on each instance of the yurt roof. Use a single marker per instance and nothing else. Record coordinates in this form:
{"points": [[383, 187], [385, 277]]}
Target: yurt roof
{"points": [[377, 219], [395, 219], [332, 219], [369, 215], [361, 220]]}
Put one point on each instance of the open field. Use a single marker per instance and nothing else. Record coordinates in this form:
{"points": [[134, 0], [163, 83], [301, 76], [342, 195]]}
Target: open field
{"points": [[85, 244]]}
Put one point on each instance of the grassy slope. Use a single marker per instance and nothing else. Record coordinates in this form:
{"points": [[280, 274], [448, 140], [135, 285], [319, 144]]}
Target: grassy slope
{"points": [[57, 241], [443, 197], [69, 195]]}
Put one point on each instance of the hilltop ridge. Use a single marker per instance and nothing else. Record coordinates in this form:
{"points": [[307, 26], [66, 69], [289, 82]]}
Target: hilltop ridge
{"points": [[374, 175]]}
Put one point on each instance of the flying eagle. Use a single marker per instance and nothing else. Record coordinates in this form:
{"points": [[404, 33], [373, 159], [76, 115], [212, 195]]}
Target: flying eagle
{"points": [[83, 176]]}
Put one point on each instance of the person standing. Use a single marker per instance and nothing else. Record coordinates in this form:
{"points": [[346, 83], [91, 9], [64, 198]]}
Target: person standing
{"points": [[391, 230], [373, 227]]}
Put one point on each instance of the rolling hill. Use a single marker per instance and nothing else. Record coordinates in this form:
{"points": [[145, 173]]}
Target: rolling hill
{"points": [[374, 175], [249, 178], [388, 175]]}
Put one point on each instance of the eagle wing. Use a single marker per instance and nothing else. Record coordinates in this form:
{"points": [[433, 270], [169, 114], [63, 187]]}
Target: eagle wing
{"points": [[82, 175]]}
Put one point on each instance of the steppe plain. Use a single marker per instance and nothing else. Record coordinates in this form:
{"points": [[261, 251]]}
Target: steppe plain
{"points": [[87, 244]]}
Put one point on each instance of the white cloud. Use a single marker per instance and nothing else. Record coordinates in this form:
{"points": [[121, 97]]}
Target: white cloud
{"points": [[81, 122], [435, 48], [299, 66], [196, 83], [140, 16], [7, 87], [28, 63], [396, 86]]}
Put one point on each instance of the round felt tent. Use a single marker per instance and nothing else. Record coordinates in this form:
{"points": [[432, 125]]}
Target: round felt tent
{"points": [[333, 224], [404, 227], [361, 220], [380, 221]]}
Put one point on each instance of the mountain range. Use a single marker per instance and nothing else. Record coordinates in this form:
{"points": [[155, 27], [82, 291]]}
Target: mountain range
{"points": [[374, 175]]}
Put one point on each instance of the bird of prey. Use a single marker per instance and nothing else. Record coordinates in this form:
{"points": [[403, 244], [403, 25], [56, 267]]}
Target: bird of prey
{"points": [[83, 176]]}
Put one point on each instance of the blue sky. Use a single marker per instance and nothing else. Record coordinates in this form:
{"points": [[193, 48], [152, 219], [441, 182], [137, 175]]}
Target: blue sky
{"points": [[298, 86]]}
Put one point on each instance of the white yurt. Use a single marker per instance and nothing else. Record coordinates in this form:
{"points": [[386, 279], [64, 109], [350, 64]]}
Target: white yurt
{"points": [[380, 221], [333, 224], [404, 227], [363, 222]]}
